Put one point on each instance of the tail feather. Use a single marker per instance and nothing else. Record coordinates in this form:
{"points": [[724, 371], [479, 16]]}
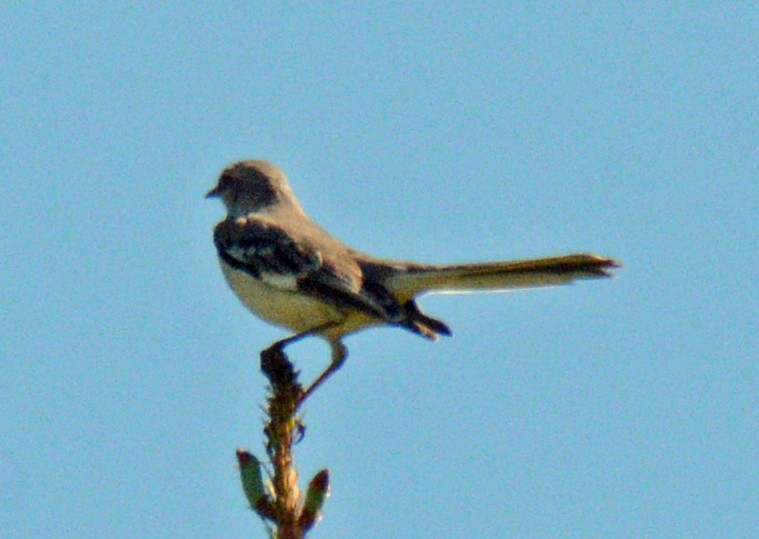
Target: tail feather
{"points": [[495, 276], [423, 324]]}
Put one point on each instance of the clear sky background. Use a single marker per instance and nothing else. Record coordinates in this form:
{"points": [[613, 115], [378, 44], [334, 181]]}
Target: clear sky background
{"points": [[417, 130]]}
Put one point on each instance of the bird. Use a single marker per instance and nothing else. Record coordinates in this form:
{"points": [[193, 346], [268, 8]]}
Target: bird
{"points": [[292, 273]]}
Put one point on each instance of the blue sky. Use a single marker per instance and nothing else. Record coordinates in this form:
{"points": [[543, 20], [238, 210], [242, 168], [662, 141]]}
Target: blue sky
{"points": [[414, 130]]}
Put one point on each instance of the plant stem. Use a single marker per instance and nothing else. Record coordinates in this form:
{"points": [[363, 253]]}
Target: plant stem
{"points": [[281, 430]]}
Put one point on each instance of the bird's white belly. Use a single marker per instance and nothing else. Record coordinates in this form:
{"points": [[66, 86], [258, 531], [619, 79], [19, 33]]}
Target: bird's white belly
{"points": [[292, 310]]}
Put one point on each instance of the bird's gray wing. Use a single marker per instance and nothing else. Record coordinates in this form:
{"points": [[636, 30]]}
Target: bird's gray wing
{"points": [[266, 251]]}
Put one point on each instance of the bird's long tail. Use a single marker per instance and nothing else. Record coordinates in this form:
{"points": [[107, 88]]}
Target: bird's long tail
{"points": [[495, 276]]}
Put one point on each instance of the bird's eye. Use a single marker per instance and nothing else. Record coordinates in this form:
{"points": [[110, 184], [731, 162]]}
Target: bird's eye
{"points": [[225, 181]]}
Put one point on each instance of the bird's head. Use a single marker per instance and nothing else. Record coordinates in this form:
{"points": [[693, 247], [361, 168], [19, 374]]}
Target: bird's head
{"points": [[251, 186]]}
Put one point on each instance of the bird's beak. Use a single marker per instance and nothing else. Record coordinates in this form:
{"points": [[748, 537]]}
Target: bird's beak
{"points": [[213, 193]]}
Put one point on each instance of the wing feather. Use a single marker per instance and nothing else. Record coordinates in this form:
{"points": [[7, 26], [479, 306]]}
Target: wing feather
{"points": [[268, 252]]}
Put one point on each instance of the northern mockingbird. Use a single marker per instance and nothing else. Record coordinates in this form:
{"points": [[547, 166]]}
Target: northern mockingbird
{"points": [[292, 273]]}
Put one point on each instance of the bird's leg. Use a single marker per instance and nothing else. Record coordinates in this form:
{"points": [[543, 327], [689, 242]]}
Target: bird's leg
{"points": [[279, 345], [339, 353], [277, 367]]}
